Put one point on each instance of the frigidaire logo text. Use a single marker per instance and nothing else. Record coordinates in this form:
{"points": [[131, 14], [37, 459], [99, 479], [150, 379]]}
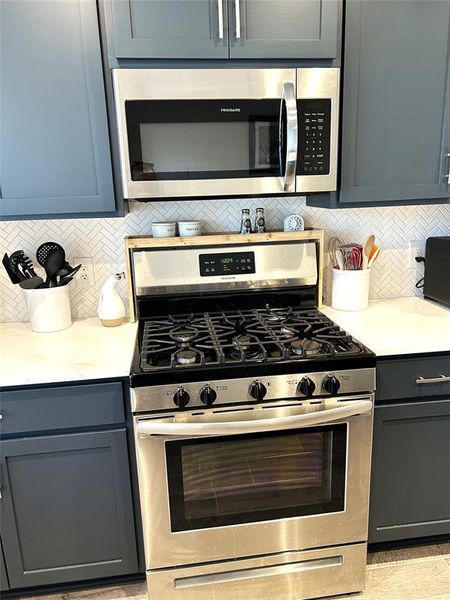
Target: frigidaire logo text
{"points": [[230, 110]]}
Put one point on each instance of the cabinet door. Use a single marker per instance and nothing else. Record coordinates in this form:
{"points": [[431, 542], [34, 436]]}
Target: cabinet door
{"points": [[54, 149], [4, 584], [283, 28], [396, 101], [170, 28], [410, 495], [66, 509]]}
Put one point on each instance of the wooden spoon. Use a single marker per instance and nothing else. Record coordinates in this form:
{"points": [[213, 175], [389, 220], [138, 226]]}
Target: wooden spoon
{"points": [[367, 250]]}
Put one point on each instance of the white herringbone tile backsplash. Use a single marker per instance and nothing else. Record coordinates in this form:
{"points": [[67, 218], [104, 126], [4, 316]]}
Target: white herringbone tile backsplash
{"points": [[102, 239]]}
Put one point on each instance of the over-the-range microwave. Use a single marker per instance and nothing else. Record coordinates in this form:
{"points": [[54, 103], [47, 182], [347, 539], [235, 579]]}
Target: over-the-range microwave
{"points": [[226, 132]]}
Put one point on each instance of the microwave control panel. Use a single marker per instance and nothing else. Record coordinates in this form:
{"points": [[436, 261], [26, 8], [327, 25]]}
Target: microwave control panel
{"points": [[314, 138], [230, 263]]}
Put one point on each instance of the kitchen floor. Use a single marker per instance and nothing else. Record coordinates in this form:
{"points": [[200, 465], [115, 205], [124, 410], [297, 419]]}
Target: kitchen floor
{"points": [[419, 573]]}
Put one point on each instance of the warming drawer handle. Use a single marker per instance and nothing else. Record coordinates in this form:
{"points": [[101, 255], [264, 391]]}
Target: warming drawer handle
{"points": [[441, 379], [169, 428], [289, 99]]}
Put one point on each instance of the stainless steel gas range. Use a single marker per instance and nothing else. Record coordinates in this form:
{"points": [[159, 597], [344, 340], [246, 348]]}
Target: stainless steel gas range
{"points": [[253, 423]]}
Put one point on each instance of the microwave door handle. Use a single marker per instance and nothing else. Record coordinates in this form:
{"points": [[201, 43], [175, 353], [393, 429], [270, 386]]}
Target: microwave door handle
{"points": [[205, 428], [289, 100]]}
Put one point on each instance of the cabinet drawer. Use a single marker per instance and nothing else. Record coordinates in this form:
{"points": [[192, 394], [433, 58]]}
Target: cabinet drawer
{"points": [[61, 407], [401, 378]]}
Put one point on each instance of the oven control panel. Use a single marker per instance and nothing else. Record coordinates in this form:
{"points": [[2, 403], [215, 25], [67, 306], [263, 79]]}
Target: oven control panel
{"points": [[314, 140], [227, 263], [303, 386]]}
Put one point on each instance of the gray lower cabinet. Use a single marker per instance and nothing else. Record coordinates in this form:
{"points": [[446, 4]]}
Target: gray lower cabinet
{"points": [[66, 508], [410, 494], [169, 28], [4, 584], [283, 28], [396, 101], [55, 154]]}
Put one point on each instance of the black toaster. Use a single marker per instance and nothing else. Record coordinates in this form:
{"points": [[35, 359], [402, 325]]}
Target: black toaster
{"points": [[436, 284]]}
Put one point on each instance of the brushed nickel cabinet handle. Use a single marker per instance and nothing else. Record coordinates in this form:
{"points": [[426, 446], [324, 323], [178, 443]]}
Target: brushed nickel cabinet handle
{"points": [[237, 11], [448, 174], [440, 379], [220, 17]]}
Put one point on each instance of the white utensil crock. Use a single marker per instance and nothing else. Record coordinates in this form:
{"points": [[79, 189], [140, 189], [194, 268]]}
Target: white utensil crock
{"points": [[49, 309], [350, 289]]}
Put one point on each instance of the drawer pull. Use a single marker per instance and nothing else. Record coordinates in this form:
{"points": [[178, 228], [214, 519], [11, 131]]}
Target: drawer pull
{"points": [[440, 379]]}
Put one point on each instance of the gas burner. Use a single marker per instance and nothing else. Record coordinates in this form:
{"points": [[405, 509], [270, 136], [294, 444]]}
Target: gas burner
{"points": [[186, 357], [306, 347], [183, 335], [275, 315], [242, 342]]}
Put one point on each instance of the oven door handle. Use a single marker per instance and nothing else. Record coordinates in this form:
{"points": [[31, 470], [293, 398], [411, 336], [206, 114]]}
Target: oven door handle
{"points": [[205, 428], [288, 99]]}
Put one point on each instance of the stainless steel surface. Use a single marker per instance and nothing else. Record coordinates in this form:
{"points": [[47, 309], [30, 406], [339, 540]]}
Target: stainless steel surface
{"points": [[440, 379], [164, 548], [175, 270], [279, 387], [288, 179], [252, 573], [192, 84], [321, 83], [207, 425], [220, 18], [283, 576], [237, 12]]}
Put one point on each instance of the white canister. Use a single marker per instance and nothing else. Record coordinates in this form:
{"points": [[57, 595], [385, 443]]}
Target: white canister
{"points": [[350, 289], [189, 228], [49, 309]]}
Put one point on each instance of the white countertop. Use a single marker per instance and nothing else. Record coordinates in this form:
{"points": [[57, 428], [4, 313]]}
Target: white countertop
{"points": [[398, 326], [87, 350]]}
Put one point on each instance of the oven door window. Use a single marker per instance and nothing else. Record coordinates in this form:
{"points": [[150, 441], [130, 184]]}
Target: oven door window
{"points": [[203, 139], [245, 479]]}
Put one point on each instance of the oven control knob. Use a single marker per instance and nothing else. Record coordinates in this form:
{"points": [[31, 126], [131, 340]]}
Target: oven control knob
{"points": [[181, 397], [306, 387], [258, 390], [208, 395], [331, 384]]}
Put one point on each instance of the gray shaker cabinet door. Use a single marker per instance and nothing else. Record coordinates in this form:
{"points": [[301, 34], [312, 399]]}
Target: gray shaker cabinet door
{"points": [[54, 148], [4, 584], [170, 28], [396, 101], [66, 509], [283, 28], [410, 492]]}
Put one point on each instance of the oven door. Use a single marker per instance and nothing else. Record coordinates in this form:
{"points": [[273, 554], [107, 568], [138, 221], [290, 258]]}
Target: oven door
{"points": [[198, 132], [259, 480]]}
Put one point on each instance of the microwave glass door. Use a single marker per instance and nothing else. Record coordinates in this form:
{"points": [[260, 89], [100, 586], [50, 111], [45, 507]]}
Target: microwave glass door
{"points": [[214, 482], [203, 139]]}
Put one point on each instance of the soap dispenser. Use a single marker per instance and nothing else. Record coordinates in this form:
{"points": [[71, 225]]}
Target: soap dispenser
{"points": [[111, 309]]}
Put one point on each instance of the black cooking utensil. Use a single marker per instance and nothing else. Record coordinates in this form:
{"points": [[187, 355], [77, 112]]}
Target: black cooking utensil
{"points": [[15, 261], [54, 261], [14, 276], [44, 249], [68, 278], [66, 269], [23, 263], [32, 283]]}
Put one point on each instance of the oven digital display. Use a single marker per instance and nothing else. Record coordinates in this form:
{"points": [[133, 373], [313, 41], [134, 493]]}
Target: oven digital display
{"points": [[237, 263]]}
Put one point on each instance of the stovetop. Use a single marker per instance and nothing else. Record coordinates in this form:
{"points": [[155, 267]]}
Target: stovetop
{"points": [[241, 338]]}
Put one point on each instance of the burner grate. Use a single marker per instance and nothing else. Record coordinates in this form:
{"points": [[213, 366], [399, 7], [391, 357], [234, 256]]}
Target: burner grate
{"points": [[240, 337]]}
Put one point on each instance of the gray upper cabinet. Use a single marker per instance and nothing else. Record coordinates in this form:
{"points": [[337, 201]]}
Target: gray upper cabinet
{"points": [[55, 154], [170, 28], [66, 508], [283, 28], [214, 29], [396, 101], [4, 584]]}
